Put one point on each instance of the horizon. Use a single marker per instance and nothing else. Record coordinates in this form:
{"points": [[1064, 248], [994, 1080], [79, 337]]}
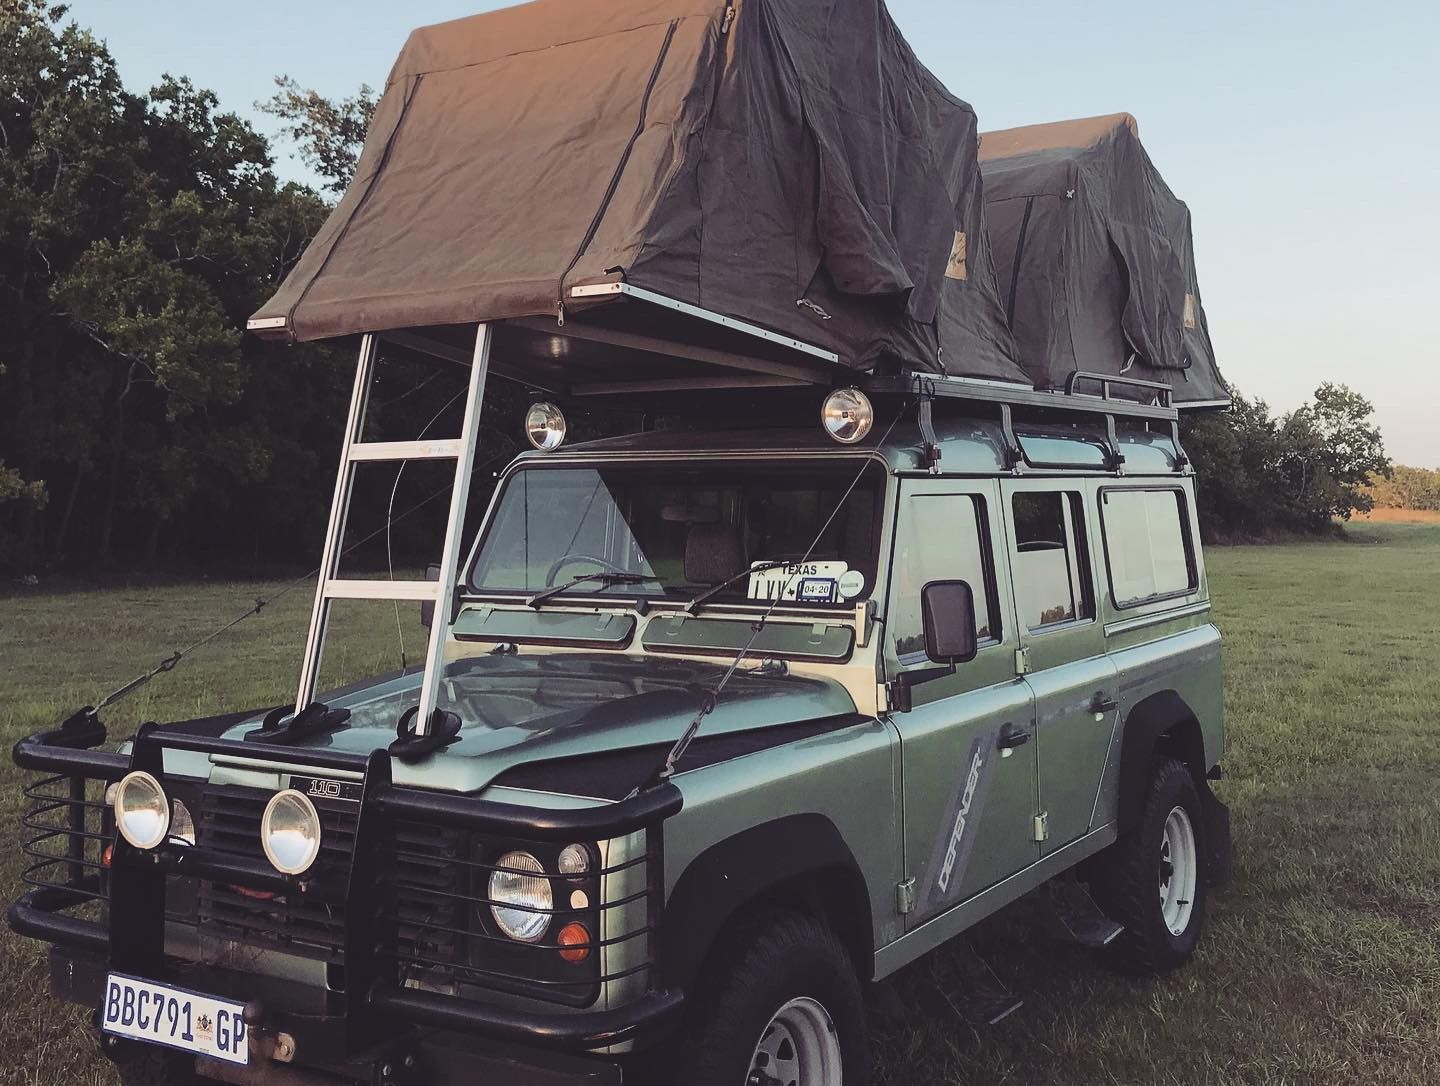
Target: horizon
{"points": [[1331, 268]]}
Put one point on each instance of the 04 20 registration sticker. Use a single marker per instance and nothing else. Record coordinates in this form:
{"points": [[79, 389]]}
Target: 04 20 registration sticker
{"points": [[174, 1017]]}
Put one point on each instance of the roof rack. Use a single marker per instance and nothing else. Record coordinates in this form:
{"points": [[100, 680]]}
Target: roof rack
{"points": [[1000, 392]]}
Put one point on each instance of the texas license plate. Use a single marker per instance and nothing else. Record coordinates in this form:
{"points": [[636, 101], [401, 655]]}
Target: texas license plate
{"points": [[190, 1021]]}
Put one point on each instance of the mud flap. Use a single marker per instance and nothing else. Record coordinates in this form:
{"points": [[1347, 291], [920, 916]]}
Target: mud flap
{"points": [[1217, 838]]}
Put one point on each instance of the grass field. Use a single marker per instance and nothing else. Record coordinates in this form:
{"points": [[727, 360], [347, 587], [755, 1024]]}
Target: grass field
{"points": [[1322, 961]]}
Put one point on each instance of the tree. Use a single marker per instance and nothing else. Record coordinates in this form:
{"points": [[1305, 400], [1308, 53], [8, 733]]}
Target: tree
{"points": [[1350, 449], [136, 234], [330, 132], [1258, 476]]}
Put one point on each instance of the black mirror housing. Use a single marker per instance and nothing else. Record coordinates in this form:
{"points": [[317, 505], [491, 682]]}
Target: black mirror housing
{"points": [[427, 607], [947, 611]]}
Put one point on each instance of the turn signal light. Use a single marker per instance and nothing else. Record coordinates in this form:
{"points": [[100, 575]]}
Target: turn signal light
{"points": [[574, 942]]}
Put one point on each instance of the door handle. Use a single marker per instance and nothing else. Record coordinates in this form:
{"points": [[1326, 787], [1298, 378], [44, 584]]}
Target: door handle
{"points": [[1011, 737], [1101, 704]]}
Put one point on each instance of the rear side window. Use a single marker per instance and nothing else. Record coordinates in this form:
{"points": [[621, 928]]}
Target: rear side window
{"points": [[1052, 559], [1147, 545], [942, 537]]}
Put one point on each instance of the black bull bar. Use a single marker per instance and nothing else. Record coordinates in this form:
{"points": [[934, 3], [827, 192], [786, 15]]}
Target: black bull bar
{"points": [[374, 1001]]}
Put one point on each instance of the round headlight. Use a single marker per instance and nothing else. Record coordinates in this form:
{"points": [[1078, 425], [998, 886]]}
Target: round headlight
{"points": [[290, 832], [847, 415], [520, 881], [182, 824], [545, 426], [142, 810], [574, 860]]}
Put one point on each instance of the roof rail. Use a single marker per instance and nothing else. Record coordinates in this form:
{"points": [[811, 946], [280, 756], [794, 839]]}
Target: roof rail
{"points": [[1016, 395], [1106, 381]]}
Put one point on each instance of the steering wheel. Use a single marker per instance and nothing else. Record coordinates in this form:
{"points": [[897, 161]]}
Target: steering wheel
{"points": [[569, 559]]}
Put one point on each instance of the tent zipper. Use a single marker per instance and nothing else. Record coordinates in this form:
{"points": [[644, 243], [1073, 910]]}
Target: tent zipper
{"points": [[619, 171]]}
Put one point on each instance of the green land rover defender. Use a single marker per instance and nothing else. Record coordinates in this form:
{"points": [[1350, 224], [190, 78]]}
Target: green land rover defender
{"points": [[888, 609], [731, 721]]}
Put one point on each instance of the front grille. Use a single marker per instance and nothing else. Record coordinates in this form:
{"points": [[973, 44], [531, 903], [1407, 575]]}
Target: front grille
{"points": [[423, 888], [229, 820], [429, 886]]}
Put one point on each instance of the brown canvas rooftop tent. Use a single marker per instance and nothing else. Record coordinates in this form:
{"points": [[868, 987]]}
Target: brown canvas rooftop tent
{"points": [[784, 163], [1095, 258]]}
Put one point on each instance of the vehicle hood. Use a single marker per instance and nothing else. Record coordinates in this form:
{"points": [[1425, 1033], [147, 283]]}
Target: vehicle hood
{"points": [[518, 709]]}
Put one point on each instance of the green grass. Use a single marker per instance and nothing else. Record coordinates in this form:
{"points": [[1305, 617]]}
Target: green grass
{"points": [[1322, 959]]}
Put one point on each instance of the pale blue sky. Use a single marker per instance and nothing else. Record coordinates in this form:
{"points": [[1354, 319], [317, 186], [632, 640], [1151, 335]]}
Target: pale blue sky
{"points": [[1303, 135]]}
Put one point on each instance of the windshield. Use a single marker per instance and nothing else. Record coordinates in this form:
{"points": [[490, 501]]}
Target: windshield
{"points": [[685, 528]]}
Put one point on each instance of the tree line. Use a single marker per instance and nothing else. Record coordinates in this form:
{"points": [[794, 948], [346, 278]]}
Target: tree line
{"points": [[138, 425], [1406, 488]]}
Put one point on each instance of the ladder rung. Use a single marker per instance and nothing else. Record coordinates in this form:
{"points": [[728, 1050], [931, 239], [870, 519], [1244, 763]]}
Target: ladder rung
{"points": [[405, 450], [382, 590]]}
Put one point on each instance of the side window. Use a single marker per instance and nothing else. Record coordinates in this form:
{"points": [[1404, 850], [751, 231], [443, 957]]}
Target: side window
{"points": [[942, 537], [1052, 559], [1147, 545]]}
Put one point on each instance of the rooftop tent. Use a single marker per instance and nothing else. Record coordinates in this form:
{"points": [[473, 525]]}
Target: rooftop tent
{"points": [[787, 163], [1095, 258]]}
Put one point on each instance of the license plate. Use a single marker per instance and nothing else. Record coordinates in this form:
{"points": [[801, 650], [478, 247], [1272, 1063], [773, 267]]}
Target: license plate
{"points": [[174, 1017], [807, 582]]}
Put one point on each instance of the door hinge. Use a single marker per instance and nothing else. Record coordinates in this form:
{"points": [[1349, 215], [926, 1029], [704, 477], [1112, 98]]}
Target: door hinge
{"points": [[1042, 826], [1022, 661], [905, 897]]}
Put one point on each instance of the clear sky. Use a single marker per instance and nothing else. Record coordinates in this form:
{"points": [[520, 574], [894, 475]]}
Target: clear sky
{"points": [[1304, 134]]}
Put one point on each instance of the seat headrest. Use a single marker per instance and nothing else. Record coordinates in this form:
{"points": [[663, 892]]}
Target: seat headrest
{"points": [[713, 553]]}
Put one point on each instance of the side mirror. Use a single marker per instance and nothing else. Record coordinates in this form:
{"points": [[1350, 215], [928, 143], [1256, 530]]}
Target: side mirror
{"points": [[947, 611], [427, 607]]}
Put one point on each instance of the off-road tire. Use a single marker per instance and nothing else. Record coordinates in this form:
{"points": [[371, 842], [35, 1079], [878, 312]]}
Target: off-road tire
{"points": [[1124, 878], [765, 962]]}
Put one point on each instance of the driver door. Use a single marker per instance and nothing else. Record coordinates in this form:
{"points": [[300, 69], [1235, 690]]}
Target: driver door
{"points": [[969, 767]]}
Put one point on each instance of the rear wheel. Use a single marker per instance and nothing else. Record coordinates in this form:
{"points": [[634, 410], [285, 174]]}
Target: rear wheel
{"points": [[780, 1006], [1153, 879]]}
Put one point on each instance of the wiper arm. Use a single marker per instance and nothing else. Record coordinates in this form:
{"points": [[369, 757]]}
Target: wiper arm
{"points": [[758, 567], [603, 578]]}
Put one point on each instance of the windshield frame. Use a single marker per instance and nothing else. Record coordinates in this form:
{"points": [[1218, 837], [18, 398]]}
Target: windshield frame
{"points": [[619, 597]]}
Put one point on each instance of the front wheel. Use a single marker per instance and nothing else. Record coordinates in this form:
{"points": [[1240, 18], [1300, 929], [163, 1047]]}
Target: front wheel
{"points": [[781, 1007], [1153, 879]]}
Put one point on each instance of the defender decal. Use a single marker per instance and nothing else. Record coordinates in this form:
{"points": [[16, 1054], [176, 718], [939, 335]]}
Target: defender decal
{"points": [[946, 871]]}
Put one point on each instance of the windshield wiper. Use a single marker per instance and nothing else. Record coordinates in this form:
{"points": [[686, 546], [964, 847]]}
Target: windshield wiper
{"points": [[603, 578], [758, 567]]}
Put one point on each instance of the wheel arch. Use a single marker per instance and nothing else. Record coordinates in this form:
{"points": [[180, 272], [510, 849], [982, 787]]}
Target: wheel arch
{"points": [[1161, 723], [799, 861]]}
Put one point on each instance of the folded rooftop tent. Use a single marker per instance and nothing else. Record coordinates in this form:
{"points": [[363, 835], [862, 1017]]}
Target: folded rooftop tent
{"points": [[785, 162], [1095, 259]]}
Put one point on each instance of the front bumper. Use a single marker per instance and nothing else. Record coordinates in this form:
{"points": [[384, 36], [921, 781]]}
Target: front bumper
{"points": [[439, 1057], [375, 1019]]}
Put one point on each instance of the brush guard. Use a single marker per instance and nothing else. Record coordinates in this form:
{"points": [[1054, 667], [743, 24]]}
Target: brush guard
{"points": [[92, 892]]}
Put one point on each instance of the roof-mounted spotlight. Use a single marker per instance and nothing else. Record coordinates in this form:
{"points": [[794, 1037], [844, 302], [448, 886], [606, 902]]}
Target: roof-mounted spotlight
{"points": [[847, 415], [545, 426]]}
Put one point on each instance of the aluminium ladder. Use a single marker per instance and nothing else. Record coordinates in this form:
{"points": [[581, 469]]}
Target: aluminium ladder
{"points": [[353, 451]]}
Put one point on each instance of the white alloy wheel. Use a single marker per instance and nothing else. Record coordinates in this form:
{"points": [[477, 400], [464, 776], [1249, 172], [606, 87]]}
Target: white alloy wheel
{"points": [[799, 1047], [1179, 871]]}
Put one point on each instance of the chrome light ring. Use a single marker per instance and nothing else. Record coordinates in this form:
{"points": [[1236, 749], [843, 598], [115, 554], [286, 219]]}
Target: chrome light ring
{"points": [[290, 832]]}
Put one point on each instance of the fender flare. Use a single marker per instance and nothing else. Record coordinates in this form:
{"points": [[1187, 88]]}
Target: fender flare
{"points": [[1164, 713], [804, 853]]}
